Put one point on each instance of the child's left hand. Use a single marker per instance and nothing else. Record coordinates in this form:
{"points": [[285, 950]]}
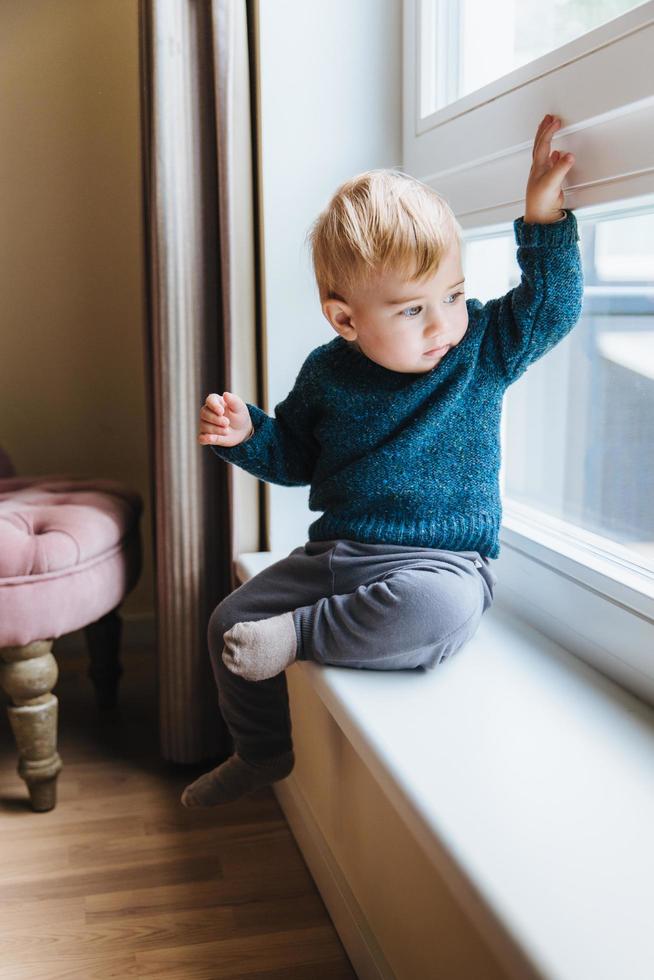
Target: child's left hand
{"points": [[544, 198]]}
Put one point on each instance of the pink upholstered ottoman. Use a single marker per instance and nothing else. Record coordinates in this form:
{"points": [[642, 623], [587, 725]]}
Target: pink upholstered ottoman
{"points": [[70, 551]]}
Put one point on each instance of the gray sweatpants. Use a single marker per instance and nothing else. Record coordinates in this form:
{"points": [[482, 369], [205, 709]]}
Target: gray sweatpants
{"points": [[371, 606]]}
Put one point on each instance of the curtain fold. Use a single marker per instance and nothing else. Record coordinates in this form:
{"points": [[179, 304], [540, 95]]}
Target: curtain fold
{"points": [[199, 272]]}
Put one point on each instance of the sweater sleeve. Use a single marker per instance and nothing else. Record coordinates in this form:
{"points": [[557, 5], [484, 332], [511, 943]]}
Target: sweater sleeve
{"points": [[535, 315], [282, 449]]}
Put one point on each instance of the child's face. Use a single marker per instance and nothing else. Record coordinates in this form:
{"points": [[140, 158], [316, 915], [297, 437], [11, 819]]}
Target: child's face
{"points": [[402, 335]]}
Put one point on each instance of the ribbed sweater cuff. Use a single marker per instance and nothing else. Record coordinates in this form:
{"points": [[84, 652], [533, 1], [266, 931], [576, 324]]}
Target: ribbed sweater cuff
{"points": [[557, 233], [247, 450]]}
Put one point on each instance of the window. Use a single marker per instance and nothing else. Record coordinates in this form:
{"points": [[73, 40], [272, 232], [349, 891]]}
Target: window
{"points": [[469, 43], [578, 436], [476, 148], [577, 479]]}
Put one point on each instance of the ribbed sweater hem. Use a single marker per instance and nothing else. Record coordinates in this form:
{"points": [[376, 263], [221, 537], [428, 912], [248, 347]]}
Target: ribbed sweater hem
{"points": [[448, 532]]}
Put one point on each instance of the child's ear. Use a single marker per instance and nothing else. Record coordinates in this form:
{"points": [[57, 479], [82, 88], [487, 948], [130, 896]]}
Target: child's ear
{"points": [[339, 314]]}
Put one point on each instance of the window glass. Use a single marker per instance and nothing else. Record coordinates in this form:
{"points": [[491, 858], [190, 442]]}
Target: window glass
{"points": [[578, 438], [482, 41]]}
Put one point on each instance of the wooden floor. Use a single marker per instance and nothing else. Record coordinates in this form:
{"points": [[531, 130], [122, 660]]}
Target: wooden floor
{"points": [[120, 880]]}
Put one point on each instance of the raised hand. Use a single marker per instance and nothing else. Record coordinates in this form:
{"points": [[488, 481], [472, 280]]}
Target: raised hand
{"points": [[544, 198], [224, 420]]}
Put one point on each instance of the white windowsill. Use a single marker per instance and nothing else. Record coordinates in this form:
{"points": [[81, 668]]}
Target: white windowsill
{"points": [[534, 771]]}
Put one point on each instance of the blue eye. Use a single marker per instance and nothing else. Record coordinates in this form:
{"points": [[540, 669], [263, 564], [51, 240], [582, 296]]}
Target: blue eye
{"points": [[411, 316]]}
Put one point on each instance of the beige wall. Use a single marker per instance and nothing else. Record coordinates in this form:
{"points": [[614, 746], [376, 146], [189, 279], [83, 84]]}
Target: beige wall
{"points": [[72, 391]]}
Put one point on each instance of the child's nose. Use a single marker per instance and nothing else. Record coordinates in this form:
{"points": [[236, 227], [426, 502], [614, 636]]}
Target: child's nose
{"points": [[436, 331]]}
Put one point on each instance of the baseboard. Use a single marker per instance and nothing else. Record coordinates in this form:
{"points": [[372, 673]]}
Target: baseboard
{"points": [[363, 950]]}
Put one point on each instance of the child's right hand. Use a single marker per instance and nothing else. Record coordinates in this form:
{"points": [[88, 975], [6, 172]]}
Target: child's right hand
{"points": [[224, 420]]}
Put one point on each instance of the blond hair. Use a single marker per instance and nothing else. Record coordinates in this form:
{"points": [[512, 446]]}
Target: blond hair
{"points": [[378, 221]]}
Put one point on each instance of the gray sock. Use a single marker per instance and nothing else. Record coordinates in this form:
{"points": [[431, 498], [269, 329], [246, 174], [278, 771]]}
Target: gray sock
{"points": [[260, 649], [235, 777]]}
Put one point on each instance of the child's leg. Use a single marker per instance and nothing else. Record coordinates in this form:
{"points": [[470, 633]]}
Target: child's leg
{"points": [[395, 607], [257, 714], [392, 607]]}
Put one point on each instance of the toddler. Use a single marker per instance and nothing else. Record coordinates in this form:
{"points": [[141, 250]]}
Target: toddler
{"points": [[395, 424]]}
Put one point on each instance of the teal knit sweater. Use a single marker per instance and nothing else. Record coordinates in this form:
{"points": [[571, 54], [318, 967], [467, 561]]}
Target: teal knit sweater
{"points": [[414, 459]]}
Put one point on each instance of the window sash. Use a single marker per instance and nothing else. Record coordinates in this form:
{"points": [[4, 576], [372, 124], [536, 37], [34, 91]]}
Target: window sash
{"points": [[477, 153], [438, 39]]}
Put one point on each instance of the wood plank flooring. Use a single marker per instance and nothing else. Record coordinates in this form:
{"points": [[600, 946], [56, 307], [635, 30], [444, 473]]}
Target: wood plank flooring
{"points": [[120, 880]]}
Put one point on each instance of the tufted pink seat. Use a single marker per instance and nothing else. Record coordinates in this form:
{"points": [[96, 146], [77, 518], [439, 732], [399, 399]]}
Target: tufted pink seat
{"points": [[70, 551], [67, 554]]}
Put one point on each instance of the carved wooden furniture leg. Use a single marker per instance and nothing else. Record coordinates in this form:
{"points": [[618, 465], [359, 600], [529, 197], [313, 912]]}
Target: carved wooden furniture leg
{"points": [[103, 642], [27, 675]]}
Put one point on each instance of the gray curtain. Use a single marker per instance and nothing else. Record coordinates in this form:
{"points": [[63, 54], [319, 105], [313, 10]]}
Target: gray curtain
{"points": [[188, 105]]}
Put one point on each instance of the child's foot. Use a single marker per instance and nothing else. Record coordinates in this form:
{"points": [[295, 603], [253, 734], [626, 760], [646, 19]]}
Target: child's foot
{"points": [[260, 649], [235, 777]]}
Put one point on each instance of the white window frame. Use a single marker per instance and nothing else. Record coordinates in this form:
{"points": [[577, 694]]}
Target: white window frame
{"points": [[476, 151]]}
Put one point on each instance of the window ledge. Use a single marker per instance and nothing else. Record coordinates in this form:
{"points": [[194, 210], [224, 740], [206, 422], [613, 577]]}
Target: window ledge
{"points": [[534, 771]]}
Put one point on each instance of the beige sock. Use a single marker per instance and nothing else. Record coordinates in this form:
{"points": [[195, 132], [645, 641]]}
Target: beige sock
{"points": [[260, 649], [235, 777]]}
